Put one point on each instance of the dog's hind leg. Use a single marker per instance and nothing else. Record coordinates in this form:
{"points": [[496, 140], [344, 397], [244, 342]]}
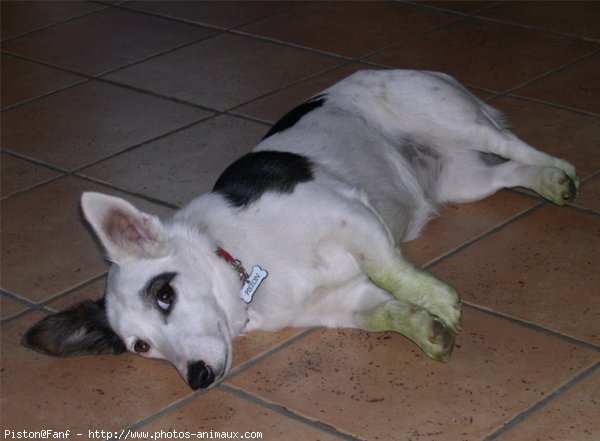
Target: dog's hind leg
{"points": [[470, 176], [482, 157]]}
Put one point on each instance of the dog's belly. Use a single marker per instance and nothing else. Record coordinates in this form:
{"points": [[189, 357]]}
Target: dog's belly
{"points": [[346, 152], [322, 294]]}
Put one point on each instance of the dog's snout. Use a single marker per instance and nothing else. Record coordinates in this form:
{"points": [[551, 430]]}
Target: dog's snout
{"points": [[200, 375]]}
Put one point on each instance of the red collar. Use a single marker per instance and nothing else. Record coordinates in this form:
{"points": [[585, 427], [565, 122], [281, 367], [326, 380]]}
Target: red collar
{"points": [[236, 264]]}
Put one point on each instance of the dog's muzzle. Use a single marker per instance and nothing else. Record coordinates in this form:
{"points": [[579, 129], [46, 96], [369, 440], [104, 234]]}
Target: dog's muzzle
{"points": [[199, 375]]}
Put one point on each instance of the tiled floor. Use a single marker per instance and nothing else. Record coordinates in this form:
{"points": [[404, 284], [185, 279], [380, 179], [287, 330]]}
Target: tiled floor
{"points": [[151, 100]]}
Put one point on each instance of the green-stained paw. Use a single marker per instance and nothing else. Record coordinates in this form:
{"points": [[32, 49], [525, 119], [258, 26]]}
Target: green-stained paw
{"points": [[427, 331], [558, 186], [448, 312], [441, 342], [410, 284]]}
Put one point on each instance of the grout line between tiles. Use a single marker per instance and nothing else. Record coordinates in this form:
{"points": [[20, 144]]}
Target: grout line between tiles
{"points": [[523, 416], [128, 192], [409, 39], [132, 9], [289, 44], [99, 76], [33, 160], [432, 263], [198, 23], [586, 210], [44, 303], [48, 26], [43, 95], [17, 298], [181, 402], [477, 16], [276, 348], [548, 104], [531, 27], [533, 326], [30, 307], [142, 143], [31, 187], [233, 109], [42, 306], [23, 313], [168, 408], [281, 410], [553, 71], [421, 5]]}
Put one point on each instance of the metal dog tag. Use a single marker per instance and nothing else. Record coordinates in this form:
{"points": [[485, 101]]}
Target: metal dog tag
{"points": [[251, 285]]}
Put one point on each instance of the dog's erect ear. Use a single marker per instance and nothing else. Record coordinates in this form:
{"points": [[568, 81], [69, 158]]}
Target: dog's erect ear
{"points": [[125, 231], [79, 330]]}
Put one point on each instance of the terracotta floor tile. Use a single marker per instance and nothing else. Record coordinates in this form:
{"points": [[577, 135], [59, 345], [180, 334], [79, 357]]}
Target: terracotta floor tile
{"points": [[89, 122], [572, 416], [45, 246], [79, 393], [22, 80], [20, 17], [589, 196], [91, 291], [9, 307], [466, 7], [255, 344], [542, 269], [220, 411], [460, 223], [499, 57], [577, 86], [380, 386], [576, 18], [181, 166], [224, 71], [17, 175], [561, 133], [273, 107], [88, 44], [221, 14], [332, 26]]}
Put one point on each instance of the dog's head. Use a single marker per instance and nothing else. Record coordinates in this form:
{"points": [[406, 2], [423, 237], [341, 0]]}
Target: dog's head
{"points": [[168, 296]]}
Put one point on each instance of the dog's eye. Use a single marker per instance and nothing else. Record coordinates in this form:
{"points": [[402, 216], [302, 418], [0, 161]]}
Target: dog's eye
{"points": [[165, 296], [141, 346]]}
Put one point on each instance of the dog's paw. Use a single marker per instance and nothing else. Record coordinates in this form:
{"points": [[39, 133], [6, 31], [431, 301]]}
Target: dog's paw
{"points": [[448, 314], [443, 302], [439, 342], [557, 185]]}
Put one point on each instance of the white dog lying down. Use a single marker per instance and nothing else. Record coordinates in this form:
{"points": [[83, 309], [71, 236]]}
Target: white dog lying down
{"points": [[320, 205]]}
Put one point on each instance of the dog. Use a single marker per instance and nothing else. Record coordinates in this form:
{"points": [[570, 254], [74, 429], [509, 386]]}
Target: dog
{"points": [[304, 230]]}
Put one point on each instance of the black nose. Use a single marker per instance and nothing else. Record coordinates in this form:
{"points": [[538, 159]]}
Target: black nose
{"points": [[199, 375]]}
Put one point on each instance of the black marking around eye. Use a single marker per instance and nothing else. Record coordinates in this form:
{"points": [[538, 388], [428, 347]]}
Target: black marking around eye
{"points": [[154, 287]]}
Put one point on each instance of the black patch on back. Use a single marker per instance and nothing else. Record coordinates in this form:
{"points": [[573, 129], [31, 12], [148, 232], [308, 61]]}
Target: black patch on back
{"points": [[294, 115], [244, 181]]}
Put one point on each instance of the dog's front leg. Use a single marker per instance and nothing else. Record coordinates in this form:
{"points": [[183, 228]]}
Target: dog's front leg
{"points": [[414, 322], [366, 237], [410, 284]]}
